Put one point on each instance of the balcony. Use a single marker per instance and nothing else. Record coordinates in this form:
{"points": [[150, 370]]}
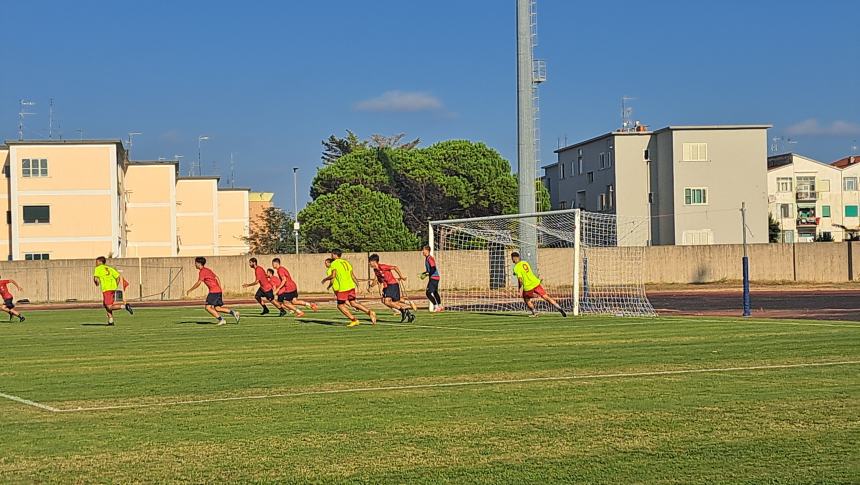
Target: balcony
{"points": [[807, 221], [807, 196]]}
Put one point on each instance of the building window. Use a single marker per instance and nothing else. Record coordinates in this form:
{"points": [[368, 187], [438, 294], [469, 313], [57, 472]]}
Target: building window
{"points": [[580, 199], [608, 159], [590, 177], [562, 204], [36, 256], [695, 196], [849, 184], [650, 197], [610, 196], [561, 170], [788, 236], [786, 211], [601, 202], [602, 160], [850, 211], [825, 211], [784, 184], [34, 167], [695, 152], [647, 154], [37, 214]]}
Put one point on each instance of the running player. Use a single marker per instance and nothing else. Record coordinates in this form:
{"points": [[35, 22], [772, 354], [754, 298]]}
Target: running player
{"points": [[288, 291], [265, 290], [432, 272], [8, 300], [343, 282], [215, 298], [531, 285], [108, 280], [390, 287]]}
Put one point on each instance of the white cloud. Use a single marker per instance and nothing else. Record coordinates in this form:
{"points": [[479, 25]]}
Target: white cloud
{"points": [[813, 127], [400, 101]]}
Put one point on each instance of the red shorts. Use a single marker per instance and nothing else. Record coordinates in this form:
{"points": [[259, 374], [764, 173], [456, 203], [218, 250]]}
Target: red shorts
{"points": [[536, 291], [344, 296], [108, 297]]}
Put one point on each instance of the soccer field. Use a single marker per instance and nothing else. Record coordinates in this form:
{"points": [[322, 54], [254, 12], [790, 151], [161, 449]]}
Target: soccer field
{"points": [[167, 396]]}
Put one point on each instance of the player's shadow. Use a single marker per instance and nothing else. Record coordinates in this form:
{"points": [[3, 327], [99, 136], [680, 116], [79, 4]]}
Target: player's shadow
{"points": [[319, 322], [198, 322], [95, 325]]}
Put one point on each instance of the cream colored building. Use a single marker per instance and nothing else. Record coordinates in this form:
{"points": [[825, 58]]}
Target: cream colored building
{"points": [[67, 199], [812, 199], [688, 181]]}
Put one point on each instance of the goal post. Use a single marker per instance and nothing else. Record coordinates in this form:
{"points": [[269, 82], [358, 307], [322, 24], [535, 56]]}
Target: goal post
{"points": [[590, 263]]}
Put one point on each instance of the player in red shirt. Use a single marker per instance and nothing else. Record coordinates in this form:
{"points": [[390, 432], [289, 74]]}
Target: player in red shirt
{"points": [[215, 298], [287, 291], [390, 287], [8, 300], [265, 290]]}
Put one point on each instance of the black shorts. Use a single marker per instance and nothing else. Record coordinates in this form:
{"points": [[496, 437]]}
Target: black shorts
{"points": [[288, 296], [391, 291], [215, 299], [8, 303], [433, 285], [269, 295]]}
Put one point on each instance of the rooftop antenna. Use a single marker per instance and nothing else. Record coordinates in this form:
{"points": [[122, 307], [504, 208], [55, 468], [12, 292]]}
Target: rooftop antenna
{"points": [[199, 167], [232, 171], [626, 114], [775, 143], [178, 159], [80, 132], [131, 136], [25, 103], [51, 119], [853, 146]]}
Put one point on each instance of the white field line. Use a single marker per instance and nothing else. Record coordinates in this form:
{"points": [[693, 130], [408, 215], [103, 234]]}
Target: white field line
{"points": [[439, 385], [30, 403]]}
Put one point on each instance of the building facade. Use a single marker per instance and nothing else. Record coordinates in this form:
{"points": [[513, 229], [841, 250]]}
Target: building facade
{"points": [[814, 200], [67, 199], [687, 181]]}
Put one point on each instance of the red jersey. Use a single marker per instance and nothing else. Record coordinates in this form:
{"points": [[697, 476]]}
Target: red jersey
{"points": [[4, 290], [274, 281], [290, 285], [384, 275], [207, 276], [262, 278]]}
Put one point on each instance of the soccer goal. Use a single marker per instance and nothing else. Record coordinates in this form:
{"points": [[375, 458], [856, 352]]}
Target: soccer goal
{"points": [[591, 263]]}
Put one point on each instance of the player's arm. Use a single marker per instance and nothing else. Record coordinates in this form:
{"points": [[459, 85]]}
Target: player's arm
{"points": [[199, 281], [16, 285], [399, 274], [96, 280], [329, 278], [251, 283], [283, 284]]}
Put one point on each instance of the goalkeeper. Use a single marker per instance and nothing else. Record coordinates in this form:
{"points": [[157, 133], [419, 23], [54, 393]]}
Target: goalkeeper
{"points": [[531, 285], [431, 272]]}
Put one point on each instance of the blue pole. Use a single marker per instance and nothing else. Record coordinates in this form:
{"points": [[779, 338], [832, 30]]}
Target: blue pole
{"points": [[747, 303]]}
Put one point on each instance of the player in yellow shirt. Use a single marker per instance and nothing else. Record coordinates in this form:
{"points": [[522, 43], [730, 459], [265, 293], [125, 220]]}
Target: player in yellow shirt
{"points": [[108, 279], [530, 284], [343, 283]]}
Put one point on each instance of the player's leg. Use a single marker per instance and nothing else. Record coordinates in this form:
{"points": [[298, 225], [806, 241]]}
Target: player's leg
{"points": [[433, 294], [218, 306], [9, 307], [554, 303], [531, 305], [259, 297], [295, 301], [358, 306], [287, 303], [108, 303]]}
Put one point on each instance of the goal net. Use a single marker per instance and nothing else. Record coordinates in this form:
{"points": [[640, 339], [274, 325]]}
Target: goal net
{"points": [[590, 263]]}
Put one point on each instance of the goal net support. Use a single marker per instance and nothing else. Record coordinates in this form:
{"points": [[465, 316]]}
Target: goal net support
{"points": [[590, 263]]}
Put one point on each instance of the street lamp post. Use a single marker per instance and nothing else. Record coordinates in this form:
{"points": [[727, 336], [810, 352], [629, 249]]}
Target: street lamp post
{"points": [[296, 207], [200, 139]]}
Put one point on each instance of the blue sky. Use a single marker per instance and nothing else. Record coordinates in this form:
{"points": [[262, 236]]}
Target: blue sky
{"points": [[269, 80]]}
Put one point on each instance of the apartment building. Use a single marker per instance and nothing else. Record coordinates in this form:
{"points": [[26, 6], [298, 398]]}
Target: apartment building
{"points": [[812, 199], [687, 181], [67, 199]]}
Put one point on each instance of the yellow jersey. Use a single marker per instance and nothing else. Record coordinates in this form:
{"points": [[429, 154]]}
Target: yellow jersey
{"points": [[343, 275], [108, 277], [524, 273]]}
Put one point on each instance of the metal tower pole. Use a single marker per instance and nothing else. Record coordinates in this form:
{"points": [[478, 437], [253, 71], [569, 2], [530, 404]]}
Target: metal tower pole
{"points": [[526, 159]]}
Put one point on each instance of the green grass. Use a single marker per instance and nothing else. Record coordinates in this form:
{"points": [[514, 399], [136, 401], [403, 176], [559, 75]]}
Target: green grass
{"points": [[786, 425]]}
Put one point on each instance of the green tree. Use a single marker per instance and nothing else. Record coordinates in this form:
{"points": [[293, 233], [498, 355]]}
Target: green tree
{"points": [[355, 218], [334, 147], [451, 179], [772, 229], [272, 233]]}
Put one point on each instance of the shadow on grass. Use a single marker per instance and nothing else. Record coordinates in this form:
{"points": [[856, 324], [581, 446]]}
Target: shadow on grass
{"points": [[319, 322], [96, 325], [198, 322]]}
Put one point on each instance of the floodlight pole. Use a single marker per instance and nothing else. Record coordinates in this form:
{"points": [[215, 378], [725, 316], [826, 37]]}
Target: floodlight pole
{"points": [[296, 207], [526, 149]]}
